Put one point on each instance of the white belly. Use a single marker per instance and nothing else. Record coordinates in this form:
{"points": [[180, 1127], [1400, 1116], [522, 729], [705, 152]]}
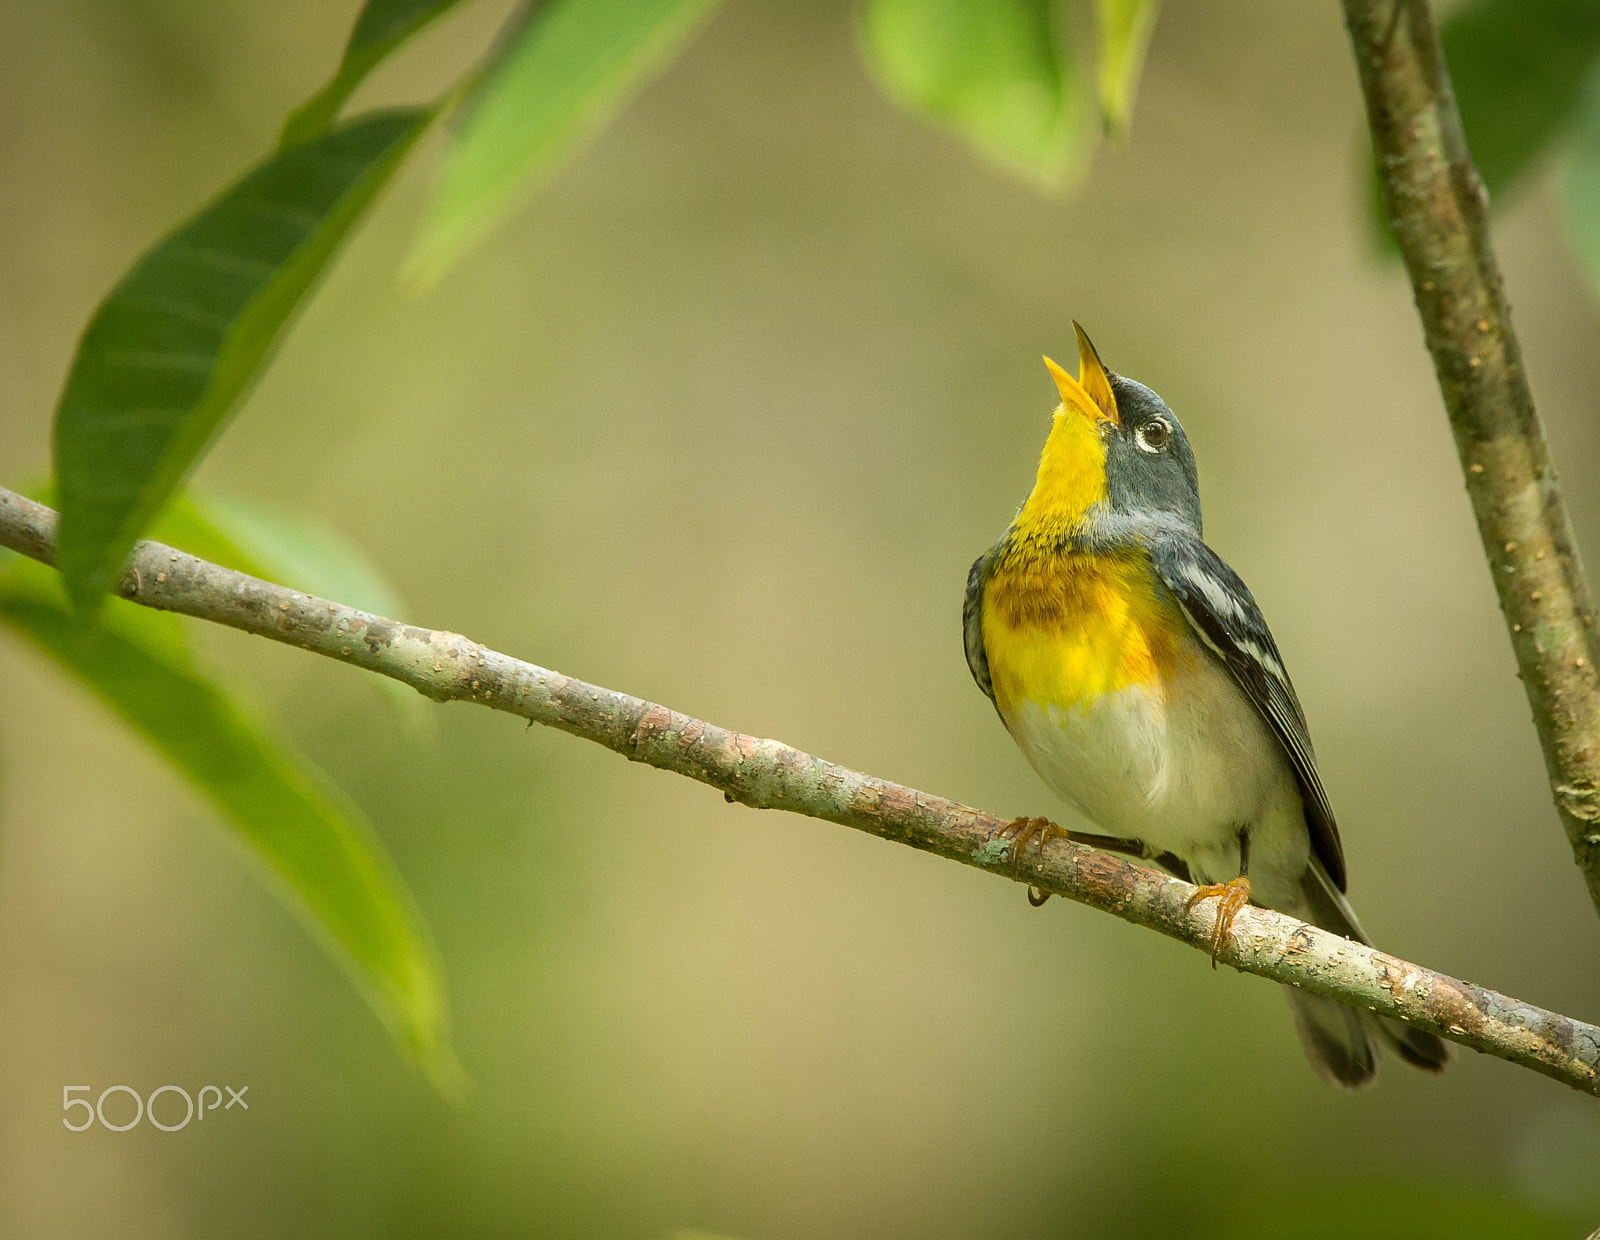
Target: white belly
{"points": [[1184, 769]]}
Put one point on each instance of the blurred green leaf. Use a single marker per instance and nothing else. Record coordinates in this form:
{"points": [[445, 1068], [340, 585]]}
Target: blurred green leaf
{"points": [[994, 71], [382, 26], [1580, 188], [176, 345], [312, 840], [1378, 1210], [1123, 31], [1518, 68], [564, 72], [284, 547], [287, 548], [297, 552]]}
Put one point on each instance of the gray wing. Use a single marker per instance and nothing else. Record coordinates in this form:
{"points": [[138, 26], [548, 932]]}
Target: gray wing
{"points": [[972, 627], [1219, 607]]}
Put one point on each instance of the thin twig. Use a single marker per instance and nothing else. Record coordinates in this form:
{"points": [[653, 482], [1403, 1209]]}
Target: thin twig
{"points": [[1438, 210], [765, 774]]}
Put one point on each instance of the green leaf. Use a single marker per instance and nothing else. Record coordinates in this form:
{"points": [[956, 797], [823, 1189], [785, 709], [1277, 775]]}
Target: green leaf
{"points": [[993, 71], [1580, 187], [382, 26], [328, 861], [284, 547], [567, 70], [176, 345], [297, 552], [1518, 68], [1124, 28], [1376, 1210], [287, 548]]}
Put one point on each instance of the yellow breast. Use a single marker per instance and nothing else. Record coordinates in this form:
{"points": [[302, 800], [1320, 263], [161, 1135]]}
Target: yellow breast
{"points": [[1065, 628]]}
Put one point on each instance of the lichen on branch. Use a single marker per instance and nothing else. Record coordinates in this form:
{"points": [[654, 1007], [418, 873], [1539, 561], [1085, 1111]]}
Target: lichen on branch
{"points": [[767, 774]]}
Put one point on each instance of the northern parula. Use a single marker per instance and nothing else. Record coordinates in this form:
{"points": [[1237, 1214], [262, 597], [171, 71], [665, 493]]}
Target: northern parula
{"points": [[1136, 673]]}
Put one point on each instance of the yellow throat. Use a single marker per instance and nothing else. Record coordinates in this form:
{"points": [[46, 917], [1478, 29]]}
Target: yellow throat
{"points": [[1064, 626], [1072, 468]]}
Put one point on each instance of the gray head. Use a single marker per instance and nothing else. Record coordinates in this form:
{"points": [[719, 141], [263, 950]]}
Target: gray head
{"points": [[1149, 464], [1116, 453]]}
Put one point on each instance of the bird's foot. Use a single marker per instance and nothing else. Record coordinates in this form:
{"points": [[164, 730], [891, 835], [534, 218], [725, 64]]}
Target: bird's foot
{"points": [[1231, 897], [1020, 831]]}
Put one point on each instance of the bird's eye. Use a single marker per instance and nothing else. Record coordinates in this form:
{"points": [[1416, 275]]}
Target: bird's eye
{"points": [[1154, 435]]}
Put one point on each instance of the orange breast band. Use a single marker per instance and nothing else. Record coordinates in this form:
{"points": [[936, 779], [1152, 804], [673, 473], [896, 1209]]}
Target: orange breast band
{"points": [[1068, 627]]}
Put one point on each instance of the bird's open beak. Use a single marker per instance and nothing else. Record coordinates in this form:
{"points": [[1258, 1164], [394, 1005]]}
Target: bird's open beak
{"points": [[1090, 393]]}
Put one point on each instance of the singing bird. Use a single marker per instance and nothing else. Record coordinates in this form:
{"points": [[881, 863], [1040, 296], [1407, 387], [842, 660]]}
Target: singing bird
{"points": [[1136, 673]]}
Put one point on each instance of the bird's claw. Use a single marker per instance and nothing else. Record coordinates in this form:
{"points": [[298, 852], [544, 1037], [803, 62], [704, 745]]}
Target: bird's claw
{"points": [[1231, 897], [1022, 830]]}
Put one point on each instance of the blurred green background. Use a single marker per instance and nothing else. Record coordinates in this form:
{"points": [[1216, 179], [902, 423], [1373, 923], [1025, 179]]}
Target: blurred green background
{"points": [[721, 420]]}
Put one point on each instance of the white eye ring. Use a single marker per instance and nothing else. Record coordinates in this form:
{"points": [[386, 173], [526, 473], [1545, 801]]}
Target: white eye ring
{"points": [[1154, 435]]}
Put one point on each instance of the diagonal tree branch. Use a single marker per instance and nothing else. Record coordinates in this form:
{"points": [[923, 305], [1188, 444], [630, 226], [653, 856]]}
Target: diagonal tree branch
{"points": [[1438, 210], [766, 774]]}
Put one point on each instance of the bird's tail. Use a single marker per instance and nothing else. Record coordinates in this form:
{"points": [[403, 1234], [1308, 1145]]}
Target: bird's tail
{"points": [[1340, 1040]]}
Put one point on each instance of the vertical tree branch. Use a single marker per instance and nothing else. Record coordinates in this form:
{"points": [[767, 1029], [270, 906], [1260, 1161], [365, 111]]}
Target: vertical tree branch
{"points": [[1438, 209]]}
